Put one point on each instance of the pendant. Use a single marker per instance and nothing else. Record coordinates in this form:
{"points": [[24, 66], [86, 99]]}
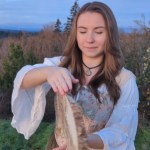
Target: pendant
{"points": [[88, 72]]}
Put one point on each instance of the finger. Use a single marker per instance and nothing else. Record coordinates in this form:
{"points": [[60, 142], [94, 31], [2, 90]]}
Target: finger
{"points": [[74, 80], [56, 148], [60, 89], [67, 78], [54, 87], [60, 148], [63, 147], [64, 84]]}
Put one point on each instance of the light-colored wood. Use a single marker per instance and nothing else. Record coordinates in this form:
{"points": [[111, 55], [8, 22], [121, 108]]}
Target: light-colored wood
{"points": [[70, 126]]}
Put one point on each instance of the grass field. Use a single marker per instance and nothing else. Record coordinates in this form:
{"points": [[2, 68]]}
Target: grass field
{"points": [[11, 140]]}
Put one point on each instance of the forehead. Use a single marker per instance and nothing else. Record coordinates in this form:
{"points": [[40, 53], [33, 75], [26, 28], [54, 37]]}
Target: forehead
{"points": [[90, 19]]}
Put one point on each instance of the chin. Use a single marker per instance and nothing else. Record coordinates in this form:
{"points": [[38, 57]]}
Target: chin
{"points": [[94, 55]]}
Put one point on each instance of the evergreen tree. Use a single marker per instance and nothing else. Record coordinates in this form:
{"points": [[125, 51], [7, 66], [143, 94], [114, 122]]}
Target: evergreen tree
{"points": [[57, 27], [31, 58], [73, 12], [13, 62]]}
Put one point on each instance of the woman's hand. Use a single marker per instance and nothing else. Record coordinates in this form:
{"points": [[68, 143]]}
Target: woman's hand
{"points": [[61, 80], [62, 147]]}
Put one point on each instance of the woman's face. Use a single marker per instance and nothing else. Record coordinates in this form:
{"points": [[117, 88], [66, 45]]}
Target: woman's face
{"points": [[91, 35]]}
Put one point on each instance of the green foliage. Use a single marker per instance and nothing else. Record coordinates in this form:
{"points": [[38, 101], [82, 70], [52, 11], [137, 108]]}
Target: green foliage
{"points": [[1, 80], [30, 58], [11, 64], [144, 78], [142, 140], [140, 65], [136, 47], [57, 26], [73, 12], [11, 140]]}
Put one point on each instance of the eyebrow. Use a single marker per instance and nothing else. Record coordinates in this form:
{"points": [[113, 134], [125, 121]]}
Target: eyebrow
{"points": [[99, 27]]}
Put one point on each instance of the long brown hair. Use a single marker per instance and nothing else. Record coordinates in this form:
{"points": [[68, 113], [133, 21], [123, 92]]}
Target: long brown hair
{"points": [[113, 58]]}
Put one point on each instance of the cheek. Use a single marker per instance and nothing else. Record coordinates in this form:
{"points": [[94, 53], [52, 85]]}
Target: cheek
{"points": [[102, 40], [79, 40]]}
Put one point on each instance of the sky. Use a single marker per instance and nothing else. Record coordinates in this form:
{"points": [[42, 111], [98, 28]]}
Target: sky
{"points": [[33, 15]]}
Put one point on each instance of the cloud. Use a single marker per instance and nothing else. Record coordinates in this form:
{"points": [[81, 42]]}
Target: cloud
{"points": [[46, 11]]}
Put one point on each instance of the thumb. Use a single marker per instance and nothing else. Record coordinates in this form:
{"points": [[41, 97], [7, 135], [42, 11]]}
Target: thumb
{"points": [[74, 80], [63, 147]]}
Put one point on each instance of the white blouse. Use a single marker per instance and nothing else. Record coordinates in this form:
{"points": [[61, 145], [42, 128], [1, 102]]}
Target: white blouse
{"points": [[28, 107]]}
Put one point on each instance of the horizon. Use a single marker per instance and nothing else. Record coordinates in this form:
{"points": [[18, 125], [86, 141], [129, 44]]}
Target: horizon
{"points": [[124, 29], [25, 15]]}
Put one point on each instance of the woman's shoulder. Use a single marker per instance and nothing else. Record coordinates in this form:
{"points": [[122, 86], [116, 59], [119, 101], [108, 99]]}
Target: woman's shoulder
{"points": [[53, 60], [124, 75]]}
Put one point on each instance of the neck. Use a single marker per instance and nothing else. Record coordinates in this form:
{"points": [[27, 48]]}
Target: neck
{"points": [[92, 62], [91, 66]]}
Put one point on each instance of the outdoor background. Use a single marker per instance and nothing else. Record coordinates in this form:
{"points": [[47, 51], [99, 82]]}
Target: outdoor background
{"points": [[31, 30]]}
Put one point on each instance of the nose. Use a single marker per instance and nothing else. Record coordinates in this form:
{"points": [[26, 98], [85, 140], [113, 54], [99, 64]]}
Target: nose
{"points": [[90, 38]]}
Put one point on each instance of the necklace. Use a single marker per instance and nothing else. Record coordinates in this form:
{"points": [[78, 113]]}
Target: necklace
{"points": [[88, 72]]}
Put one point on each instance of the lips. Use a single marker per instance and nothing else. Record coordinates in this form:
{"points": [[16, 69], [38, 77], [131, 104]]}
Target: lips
{"points": [[90, 49]]}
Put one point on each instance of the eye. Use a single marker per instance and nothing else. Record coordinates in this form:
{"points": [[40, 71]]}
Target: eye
{"points": [[99, 32], [82, 32]]}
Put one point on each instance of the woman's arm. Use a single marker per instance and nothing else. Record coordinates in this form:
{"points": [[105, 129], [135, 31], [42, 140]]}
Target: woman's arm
{"points": [[119, 132], [59, 78], [94, 141], [29, 96], [35, 77]]}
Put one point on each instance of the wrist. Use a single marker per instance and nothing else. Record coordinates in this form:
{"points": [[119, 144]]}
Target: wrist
{"points": [[48, 71]]}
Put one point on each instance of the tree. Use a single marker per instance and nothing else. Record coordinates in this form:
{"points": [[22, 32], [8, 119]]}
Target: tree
{"points": [[30, 58], [145, 26], [136, 48], [73, 12], [13, 62], [57, 27]]}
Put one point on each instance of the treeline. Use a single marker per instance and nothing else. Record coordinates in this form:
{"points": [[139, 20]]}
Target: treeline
{"points": [[136, 49], [20, 48], [25, 48]]}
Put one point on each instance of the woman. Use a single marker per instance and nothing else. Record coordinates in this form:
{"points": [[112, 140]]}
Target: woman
{"points": [[91, 68]]}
